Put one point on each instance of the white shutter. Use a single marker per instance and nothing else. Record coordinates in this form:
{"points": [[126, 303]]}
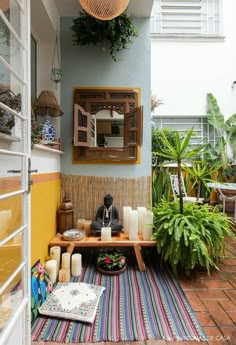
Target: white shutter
{"points": [[186, 17]]}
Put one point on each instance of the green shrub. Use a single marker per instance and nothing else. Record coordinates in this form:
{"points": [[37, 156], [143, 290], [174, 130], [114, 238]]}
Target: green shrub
{"points": [[196, 237]]}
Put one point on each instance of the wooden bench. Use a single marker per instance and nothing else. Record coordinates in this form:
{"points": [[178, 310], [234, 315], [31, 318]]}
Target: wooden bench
{"points": [[120, 240]]}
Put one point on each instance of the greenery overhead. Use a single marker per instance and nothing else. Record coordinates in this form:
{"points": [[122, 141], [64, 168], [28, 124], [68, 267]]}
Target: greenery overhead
{"points": [[118, 32]]}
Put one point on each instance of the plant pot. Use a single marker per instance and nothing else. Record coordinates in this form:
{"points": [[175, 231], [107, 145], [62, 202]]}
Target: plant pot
{"points": [[111, 273]]}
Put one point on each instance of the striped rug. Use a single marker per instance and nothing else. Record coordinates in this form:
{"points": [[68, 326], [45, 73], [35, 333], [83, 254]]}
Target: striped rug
{"points": [[135, 306]]}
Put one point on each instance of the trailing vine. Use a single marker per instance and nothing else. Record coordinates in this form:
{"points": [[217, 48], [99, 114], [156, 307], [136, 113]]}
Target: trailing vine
{"points": [[119, 32]]}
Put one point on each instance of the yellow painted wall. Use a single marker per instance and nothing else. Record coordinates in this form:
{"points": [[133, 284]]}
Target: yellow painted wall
{"points": [[45, 199]]}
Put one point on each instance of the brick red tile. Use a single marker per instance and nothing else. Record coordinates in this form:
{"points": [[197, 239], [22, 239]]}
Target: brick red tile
{"points": [[228, 305], [232, 315], [229, 334], [228, 268], [214, 336], [218, 314], [195, 302], [229, 262], [204, 318], [212, 295], [213, 276], [215, 284], [231, 294]]}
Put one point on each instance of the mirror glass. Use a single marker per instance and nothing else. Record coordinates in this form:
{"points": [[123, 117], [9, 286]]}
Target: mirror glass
{"points": [[107, 129]]}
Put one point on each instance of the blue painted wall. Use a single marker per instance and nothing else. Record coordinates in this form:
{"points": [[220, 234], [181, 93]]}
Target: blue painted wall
{"points": [[92, 66]]}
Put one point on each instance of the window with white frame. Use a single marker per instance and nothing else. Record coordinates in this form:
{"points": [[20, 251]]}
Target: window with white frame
{"points": [[204, 133], [186, 17]]}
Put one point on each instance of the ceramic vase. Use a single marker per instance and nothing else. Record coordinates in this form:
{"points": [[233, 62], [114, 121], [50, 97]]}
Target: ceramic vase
{"points": [[47, 130]]}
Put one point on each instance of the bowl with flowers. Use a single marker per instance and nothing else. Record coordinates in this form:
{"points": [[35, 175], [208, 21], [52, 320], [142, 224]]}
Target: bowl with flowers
{"points": [[111, 262]]}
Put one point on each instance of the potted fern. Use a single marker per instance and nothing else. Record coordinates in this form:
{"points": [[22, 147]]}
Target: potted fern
{"points": [[189, 234]]}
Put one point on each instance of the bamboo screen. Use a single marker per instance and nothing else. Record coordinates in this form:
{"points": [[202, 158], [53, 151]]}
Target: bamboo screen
{"points": [[87, 193]]}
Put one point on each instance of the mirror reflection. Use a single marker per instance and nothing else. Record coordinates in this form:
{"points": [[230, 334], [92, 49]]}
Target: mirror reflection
{"points": [[107, 129]]}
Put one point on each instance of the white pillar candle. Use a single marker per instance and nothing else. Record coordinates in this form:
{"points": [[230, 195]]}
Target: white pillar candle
{"points": [[51, 269], [126, 210], [106, 233], [65, 260], [133, 225], [55, 254], [148, 225], [141, 211], [76, 265], [64, 275]]}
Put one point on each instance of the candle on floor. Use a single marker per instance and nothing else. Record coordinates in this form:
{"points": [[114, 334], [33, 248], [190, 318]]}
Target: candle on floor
{"points": [[141, 211], [64, 275], [51, 269], [126, 210], [76, 265], [65, 260], [55, 254], [106, 233], [148, 225], [133, 225]]}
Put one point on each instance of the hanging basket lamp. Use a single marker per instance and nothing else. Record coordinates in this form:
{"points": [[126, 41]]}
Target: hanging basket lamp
{"points": [[105, 9]]}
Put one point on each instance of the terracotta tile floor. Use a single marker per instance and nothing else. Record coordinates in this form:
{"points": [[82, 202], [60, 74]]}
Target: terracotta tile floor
{"points": [[213, 299]]}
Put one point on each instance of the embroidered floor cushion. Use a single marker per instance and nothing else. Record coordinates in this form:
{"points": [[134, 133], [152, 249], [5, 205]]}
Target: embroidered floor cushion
{"points": [[41, 286], [75, 301]]}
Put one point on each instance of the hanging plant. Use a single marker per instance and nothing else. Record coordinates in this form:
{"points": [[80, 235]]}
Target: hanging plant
{"points": [[118, 32]]}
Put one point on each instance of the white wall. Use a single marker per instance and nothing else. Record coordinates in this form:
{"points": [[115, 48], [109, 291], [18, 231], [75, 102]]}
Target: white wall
{"points": [[183, 72]]}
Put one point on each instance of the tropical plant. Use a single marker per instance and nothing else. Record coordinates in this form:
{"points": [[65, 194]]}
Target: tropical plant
{"points": [[119, 32], [158, 143], [111, 260], [194, 238], [199, 174], [216, 119], [160, 185], [179, 151]]}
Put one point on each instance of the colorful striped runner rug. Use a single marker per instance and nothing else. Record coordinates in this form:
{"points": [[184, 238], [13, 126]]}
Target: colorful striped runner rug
{"points": [[135, 306]]}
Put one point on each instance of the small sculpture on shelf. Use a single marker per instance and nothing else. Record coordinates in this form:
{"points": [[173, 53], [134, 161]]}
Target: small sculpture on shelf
{"points": [[65, 214], [107, 216]]}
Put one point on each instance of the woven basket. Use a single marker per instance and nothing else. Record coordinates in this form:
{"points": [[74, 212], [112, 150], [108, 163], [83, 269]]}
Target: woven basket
{"points": [[104, 9]]}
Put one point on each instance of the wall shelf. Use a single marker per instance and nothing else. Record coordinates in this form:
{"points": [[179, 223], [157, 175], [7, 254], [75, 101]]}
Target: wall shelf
{"points": [[48, 149]]}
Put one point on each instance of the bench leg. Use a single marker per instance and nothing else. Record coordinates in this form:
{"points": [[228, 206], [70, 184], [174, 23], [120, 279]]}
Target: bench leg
{"points": [[137, 250]]}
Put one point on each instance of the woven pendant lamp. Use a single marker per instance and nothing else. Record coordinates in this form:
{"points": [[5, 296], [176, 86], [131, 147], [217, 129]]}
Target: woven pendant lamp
{"points": [[104, 9]]}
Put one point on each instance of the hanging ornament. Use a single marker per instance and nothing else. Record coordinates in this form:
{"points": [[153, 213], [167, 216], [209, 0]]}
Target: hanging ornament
{"points": [[56, 74]]}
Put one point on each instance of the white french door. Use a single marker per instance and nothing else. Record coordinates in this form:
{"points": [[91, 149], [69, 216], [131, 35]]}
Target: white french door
{"points": [[15, 147]]}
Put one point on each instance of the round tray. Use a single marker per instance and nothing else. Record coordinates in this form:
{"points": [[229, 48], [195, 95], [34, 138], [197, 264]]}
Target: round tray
{"points": [[111, 273], [73, 235]]}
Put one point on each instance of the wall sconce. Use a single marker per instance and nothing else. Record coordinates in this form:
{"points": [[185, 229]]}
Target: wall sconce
{"points": [[46, 105], [104, 10], [56, 74]]}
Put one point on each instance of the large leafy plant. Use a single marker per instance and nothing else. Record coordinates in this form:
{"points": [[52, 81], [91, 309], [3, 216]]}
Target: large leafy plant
{"points": [[194, 238], [217, 120], [179, 150], [118, 32]]}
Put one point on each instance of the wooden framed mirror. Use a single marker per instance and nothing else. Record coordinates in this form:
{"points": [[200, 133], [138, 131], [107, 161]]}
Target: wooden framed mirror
{"points": [[108, 125]]}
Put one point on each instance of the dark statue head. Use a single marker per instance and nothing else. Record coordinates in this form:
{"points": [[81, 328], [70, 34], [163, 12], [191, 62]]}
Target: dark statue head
{"points": [[108, 199]]}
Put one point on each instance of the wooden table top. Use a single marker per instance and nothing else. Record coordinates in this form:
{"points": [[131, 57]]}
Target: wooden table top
{"points": [[120, 240]]}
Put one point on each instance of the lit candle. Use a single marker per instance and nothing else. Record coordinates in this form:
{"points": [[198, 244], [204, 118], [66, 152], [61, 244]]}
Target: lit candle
{"points": [[141, 211], [106, 233], [133, 225], [64, 275], [148, 225], [126, 210], [76, 265], [51, 269], [55, 254], [87, 227], [65, 260], [80, 224]]}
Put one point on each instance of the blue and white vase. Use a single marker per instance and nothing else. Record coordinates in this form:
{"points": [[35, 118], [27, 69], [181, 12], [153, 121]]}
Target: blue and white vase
{"points": [[47, 130]]}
